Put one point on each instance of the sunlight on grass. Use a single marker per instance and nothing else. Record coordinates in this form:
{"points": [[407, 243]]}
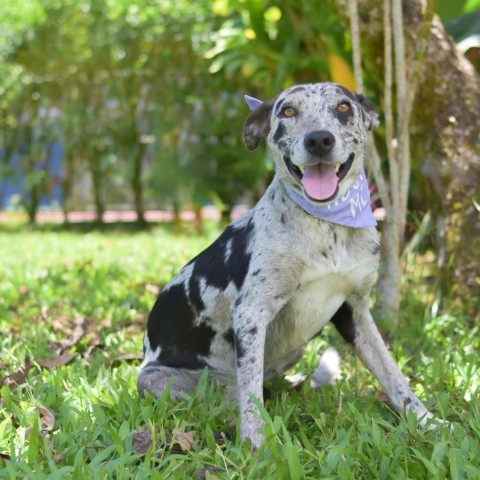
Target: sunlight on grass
{"points": [[80, 301]]}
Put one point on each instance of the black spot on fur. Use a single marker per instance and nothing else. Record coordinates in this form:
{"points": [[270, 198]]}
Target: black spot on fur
{"points": [[256, 272], [325, 254], [170, 315], [239, 349], [343, 321], [171, 327], [228, 336], [279, 108], [211, 264], [282, 219], [296, 90], [347, 92], [194, 295], [279, 132], [407, 401], [187, 347], [344, 117], [253, 331], [238, 301]]}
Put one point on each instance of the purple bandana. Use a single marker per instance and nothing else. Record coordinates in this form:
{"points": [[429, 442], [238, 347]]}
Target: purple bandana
{"points": [[351, 209]]}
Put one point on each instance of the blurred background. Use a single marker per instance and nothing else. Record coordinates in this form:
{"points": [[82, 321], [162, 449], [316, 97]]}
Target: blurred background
{"points": [[131, 107], [137, 105]]}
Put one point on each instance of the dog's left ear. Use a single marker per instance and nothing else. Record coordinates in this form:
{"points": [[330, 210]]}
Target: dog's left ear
{"points": [[370, 116], [257, 124]]}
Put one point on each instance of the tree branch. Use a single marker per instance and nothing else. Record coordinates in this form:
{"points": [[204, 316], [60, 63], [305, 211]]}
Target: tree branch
{"points": [[374, 159]]}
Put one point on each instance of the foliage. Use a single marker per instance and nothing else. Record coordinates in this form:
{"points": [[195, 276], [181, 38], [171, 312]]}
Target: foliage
{"points": [[104, 283], [125, 89], [145, 96]]}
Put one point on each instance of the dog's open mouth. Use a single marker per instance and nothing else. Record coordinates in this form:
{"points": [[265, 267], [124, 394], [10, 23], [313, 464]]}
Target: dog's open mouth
{"points": [[320, 181]]}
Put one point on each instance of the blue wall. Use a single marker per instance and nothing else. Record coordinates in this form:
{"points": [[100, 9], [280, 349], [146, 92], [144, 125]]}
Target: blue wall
{"points": [[13, 185]]}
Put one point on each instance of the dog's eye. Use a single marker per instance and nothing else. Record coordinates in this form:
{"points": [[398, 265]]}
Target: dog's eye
{"points": [[288, 112], [343, 107]]}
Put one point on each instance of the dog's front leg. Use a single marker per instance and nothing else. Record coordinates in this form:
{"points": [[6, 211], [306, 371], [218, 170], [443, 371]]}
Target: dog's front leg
{"points": [[250, 326], [371, 348]]}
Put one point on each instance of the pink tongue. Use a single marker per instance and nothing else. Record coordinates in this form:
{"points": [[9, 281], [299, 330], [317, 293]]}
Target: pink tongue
{"points": [[320, 181]]}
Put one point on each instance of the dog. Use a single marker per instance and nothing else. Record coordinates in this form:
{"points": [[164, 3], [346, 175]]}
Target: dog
{"points": [[305, 255]]}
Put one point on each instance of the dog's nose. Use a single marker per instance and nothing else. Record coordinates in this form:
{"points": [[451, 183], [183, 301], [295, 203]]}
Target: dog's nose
{"points": [[319, 142]]}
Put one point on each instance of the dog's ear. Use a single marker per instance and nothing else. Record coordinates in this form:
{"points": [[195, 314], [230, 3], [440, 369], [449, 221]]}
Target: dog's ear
{"points": [[370, 116], [257, 124]]}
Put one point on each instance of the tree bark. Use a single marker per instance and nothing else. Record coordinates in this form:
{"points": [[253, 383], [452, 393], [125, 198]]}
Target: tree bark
{"points": [[94, 164], [137, 184], [444, 129]]}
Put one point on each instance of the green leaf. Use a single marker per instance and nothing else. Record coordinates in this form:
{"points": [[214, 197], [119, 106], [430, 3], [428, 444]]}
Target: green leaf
{"points": [[456, 463]]}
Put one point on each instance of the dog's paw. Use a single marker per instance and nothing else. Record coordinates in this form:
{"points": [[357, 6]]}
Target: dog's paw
{"points": [[250, 429]]}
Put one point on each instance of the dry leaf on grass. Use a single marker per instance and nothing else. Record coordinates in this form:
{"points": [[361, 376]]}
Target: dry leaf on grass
{"points": [[77, 329], [56, 361], [202, 473], [19, 377], [141, 440], [47, 418], [178, 441], [183, 439]]}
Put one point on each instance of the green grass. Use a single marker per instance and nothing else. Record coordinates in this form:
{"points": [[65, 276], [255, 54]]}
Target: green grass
{"points": [[52, 282]]}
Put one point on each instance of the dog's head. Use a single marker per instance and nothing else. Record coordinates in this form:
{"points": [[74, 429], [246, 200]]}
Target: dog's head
{"points": [[317, 135]]}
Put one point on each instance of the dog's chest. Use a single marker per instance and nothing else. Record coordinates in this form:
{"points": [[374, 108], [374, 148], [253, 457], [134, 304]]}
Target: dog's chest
{"points": [[323, 287]]}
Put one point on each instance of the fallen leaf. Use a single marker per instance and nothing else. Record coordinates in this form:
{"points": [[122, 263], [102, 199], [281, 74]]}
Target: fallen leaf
{"points": [[47, 418], [220, 437], [202, 473], [19, 377], [141, 440], [56, 361], [183, 439], [79, 325], [177, 442]]}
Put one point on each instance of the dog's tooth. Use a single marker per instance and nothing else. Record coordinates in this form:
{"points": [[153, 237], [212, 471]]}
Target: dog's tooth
{"points": [[337, 168]]}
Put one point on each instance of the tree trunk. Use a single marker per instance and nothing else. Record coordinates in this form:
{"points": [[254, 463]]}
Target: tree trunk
{"points": [[225, 215], [444, 126], [67, 184], [94, 164], [137, 184], [387, 305], [199, 224]]}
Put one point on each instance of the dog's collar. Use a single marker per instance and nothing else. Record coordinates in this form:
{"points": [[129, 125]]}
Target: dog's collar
{"points": [[351, 209]]}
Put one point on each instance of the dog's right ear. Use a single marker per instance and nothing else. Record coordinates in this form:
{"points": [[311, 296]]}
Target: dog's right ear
{"points": [[257, 124]]}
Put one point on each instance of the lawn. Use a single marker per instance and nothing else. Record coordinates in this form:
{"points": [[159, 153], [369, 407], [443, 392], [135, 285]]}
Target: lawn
{"points": [[72, 312]]}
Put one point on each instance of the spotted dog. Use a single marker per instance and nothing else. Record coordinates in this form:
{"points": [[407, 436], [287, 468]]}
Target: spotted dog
{"points": [[247, 305]]}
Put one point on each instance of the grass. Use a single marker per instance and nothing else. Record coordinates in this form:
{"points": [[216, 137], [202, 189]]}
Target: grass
{"points": [[86, 295]]}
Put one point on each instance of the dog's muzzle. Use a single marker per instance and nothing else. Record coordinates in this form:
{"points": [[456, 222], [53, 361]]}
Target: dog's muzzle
{"points": [[320, 180]]}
